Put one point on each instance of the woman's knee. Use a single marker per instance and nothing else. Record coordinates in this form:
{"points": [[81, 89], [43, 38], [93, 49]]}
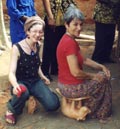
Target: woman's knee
{"points": [[53, 104], [25, 95]]}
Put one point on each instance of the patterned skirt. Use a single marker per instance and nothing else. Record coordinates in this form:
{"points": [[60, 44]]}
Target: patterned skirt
{"points": [[100, 101]]}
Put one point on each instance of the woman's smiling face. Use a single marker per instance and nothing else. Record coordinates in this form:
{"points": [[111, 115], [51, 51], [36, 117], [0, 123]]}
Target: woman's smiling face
{"points": [[74, 27], [36, 32]]}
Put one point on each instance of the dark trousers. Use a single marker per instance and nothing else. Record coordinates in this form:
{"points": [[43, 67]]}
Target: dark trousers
{"points": [[40, 91], [51, 40], [104, 36]]}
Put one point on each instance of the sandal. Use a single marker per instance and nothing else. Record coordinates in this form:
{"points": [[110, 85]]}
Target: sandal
{"points": [[10, 119]]}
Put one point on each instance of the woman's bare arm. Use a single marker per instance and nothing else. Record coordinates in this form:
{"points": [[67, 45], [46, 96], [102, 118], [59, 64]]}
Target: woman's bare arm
{"points": [[48, 10], [47, 7], [95, 65], [75, 68], [12, 68]]}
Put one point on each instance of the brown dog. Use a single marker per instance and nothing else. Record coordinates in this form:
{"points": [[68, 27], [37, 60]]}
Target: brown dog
{"points": [[72, 107], [32, 104]]}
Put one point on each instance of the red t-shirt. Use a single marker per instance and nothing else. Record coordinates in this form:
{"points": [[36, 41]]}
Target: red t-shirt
{"points": [[67, 46]]}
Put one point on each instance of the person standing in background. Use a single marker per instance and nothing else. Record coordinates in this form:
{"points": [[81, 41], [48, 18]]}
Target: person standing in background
{"points": [[105, 25], [54, 30], [19, 11]]}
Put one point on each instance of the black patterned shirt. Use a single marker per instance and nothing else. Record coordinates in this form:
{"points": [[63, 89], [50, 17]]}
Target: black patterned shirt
{"points": [[27, 66], [62, 4], [58, 8], [103, 14]]}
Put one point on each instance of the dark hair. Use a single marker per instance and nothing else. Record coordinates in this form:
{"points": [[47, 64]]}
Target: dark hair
{"points": [[73, 12]]}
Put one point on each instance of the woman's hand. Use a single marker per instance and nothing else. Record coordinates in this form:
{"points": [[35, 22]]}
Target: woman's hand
{"points": [[98, 66], [16, 89], [24, 18], [106, 71], [47, 81], [98, 77], [51, 21], [43, 77]]}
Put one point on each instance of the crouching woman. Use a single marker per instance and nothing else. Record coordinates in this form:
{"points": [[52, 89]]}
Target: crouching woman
{"points": [[25, 73], [73, 81]]}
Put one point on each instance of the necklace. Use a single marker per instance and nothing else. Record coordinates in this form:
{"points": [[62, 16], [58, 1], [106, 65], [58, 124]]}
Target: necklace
{"points": [[32, 53]]}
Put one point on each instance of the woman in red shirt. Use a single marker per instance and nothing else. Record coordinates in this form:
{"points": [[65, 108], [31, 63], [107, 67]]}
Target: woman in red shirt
{"points": [[73, 81]]}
